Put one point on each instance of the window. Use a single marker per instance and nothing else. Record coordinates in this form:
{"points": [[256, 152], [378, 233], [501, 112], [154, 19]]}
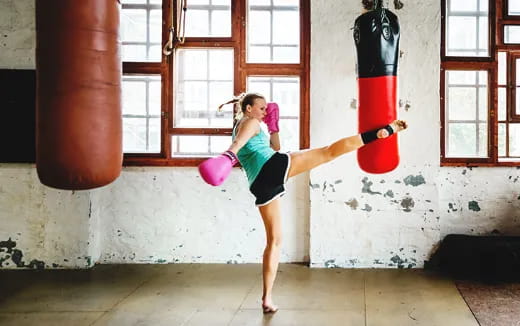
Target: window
{"points": [[229, 47], [480, 53]]}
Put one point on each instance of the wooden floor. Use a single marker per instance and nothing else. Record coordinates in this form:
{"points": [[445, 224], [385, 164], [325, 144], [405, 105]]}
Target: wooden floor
{"points": [[212, 294]]}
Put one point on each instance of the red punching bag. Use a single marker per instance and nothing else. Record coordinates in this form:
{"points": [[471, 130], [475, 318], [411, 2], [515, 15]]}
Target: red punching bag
{"points": [[376, 34], [78, 96]]}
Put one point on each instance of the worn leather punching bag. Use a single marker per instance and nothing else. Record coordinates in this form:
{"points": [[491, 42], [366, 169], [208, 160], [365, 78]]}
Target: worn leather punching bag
{"points": [[376, 34], [78, 96]]}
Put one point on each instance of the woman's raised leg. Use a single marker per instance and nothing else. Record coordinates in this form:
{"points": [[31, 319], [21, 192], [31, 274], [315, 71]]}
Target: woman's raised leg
{"points": [[273, 230], [306, 160]]}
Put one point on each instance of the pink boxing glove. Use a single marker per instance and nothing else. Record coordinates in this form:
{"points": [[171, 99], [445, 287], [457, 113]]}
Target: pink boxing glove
{"points": [[272, 116], [216, 169]]}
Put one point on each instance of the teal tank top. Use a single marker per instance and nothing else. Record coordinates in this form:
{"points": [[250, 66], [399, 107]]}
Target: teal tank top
{"points": [[254, 154]]}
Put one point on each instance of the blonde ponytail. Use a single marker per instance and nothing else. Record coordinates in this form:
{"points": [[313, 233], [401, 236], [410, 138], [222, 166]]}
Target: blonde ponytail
{"points": [[240, 103]]}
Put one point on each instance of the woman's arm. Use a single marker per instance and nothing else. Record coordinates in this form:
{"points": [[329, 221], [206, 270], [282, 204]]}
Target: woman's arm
{"points": [[248, 129], [275, 141]]}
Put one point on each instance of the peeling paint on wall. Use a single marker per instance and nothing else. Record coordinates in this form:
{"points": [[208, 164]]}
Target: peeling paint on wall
{"points": [[353, 104], [8, 251], [473, 205], [398, 5], [366, 187], [367, 208], [353, 203], [414, 180], [451, 208], [403, 263], [407, 203], [331, 263]]}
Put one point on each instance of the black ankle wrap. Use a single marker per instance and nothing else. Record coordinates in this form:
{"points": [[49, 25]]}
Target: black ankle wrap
{"points": [[370, 136]]}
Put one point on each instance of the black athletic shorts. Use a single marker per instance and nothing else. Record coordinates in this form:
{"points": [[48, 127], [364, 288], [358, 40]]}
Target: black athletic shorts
{"points": [[270, 181]]}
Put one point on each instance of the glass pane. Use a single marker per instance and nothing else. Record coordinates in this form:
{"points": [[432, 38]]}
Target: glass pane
{"points": [[517, 72], [204, 80], [462, 103], [483, 5], [286, 92], [219, 92], [467, 28], [141, 31], [197, 23], [286, 27], [138, 91], [219, 63], [273, 32], [482, 104], [502, 139], [482, 77], [134, 52], [483, 140], [141, 114], [259, 54], [513, 7], [205, 19], [134, 135], [290, 134], [155, 53], [133, 25], [259, 2], [141, 135], [199, 145], [219, 144], [218, 28], [288, 3], [462, 5], [461, 140], [286, 54], [154, 97], [256, 32], [514, 139], [462, 77], [260, 85], [511, 34], [156, 26], [192, 64], [517, 111], [134, 96], [483, 39], [192, 145], [154, 135], [462, 32], [501, 104], [502, 72]]}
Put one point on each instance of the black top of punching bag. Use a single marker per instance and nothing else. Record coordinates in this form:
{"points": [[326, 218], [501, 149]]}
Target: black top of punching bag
{"points": [[376, 34]]}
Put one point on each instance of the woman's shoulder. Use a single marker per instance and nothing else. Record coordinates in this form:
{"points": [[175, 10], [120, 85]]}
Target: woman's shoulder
{"points": [[248, 123]]}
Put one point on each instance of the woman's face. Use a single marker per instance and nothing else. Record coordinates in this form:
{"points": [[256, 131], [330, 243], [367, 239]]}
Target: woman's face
{"points": [[257, 110]]}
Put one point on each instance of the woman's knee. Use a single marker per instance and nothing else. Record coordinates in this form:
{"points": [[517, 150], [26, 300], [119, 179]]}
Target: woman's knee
{"points": [[274, 241]]}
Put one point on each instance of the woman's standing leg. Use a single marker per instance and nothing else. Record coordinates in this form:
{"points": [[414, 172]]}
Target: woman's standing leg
{"points": [[273, 230]]}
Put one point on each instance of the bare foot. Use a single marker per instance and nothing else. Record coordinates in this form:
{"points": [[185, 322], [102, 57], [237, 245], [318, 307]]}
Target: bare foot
{"points": [[268, 307], [396, 125]]}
